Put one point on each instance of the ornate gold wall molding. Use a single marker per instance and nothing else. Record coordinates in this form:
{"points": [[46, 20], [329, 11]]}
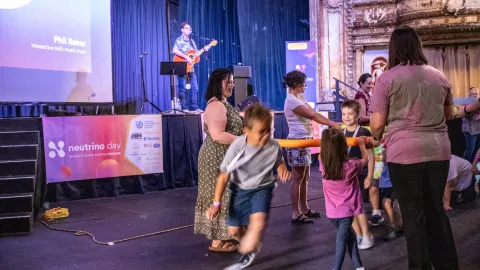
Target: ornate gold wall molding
{"points": [[437, 21]]}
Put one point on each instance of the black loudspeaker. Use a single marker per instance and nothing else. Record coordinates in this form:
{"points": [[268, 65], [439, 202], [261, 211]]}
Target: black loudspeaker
{"points": [[241, 74]]}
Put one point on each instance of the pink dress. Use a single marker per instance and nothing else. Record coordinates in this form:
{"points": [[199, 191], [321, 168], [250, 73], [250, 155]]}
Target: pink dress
{"points": [[343, 198]]}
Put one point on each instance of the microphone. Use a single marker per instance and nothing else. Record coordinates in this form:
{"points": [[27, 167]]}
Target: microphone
{"points": [[146, 53], [195, 33], [92, 95]]}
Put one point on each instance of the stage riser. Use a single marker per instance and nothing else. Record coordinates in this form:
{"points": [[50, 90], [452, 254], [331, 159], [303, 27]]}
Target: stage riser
{"points": [[16, 224], [14, 204], [17, 168], [20, 124], [13, 153], [18, 138], [20, 148], [15, 185]]}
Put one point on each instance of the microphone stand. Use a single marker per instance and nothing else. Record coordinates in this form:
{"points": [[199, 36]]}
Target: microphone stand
{"points": [[145, 99], [206, 53]]}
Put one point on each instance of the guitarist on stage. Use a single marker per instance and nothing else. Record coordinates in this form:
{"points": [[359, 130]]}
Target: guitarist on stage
{"points": [[188, 83]]}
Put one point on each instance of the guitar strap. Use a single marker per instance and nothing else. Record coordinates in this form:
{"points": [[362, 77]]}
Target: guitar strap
{"points": [[192, 44], [189, 75]]}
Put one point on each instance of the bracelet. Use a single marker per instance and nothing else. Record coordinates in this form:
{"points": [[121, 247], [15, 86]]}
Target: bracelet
{"points": [[216, 204], [331, 123]]}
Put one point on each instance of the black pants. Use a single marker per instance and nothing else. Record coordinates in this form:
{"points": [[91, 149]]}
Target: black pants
{"points": [[419, 188]]}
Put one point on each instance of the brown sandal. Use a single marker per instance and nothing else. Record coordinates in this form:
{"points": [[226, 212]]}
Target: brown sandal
{"points": [[224, 246]]}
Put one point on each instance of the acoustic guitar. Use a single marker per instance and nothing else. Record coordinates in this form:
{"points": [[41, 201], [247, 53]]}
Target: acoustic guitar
{"points": [[194, 55]]}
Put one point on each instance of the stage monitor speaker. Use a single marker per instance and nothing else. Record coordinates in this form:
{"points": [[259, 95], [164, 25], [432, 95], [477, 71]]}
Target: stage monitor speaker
{"points": [[241, 74]]}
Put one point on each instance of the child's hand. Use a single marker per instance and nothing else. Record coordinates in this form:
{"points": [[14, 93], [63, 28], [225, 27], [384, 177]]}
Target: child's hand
{"points": [[361, 141], [375, 143], [474, 169], [337, 126], [283, 173], [447, 207], [367, 183], [213, 212]]}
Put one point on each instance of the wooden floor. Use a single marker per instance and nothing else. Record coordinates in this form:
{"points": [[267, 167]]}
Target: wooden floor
{"points": [[285, 246]]}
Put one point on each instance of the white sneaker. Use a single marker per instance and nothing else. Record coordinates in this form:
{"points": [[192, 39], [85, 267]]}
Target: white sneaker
{"points": [[246, 260], [361, 268], [366, 243]]}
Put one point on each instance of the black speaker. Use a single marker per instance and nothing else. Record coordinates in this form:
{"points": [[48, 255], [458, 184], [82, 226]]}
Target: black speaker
{"points": [[241, 74]]}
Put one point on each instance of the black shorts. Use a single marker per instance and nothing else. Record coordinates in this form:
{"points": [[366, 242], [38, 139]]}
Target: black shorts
{"points": [[387, 193]]}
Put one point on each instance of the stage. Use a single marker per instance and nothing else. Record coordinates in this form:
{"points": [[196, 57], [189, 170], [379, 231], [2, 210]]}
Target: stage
{"points": [[286, 245]]}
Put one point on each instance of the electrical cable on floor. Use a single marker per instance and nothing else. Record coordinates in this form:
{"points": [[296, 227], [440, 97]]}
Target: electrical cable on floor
{"points": [[57, 213]]}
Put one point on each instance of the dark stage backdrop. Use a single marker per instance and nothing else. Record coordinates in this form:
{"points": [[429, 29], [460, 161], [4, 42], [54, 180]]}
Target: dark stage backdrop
{"points": [[265, 26], [214, 19], [137, 26]]}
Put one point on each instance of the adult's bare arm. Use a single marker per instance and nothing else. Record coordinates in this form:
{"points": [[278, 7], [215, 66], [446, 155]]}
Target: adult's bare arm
{"points": [[216, 120], [309, 113]]}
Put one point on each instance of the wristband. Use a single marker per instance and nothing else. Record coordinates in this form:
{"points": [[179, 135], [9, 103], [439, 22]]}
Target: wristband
{"points": [[216, 204], [331, 123]]}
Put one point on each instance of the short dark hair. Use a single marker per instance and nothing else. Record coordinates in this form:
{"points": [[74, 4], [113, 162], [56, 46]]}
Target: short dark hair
{"points": [[215, 83], [183, 24], [294, 79], [405, 48], [257, 112], [334, 153], [363, 78], [352, 104]]}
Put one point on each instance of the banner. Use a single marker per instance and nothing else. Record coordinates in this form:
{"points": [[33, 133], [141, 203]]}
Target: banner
{"points": [[301, 57], [90, 147]]}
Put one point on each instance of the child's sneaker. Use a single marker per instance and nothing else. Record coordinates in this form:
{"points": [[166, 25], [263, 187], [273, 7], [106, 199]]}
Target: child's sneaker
{"points": [[245, 261], [391, 234], [375, 220], [366, 243]]}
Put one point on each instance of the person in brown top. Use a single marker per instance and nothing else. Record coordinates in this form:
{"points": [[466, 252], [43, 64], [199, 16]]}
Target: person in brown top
{"points": [[414, 100]]}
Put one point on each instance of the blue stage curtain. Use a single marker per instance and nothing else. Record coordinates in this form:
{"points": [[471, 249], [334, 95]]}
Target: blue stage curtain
{"points": [[214, 19], [265, 26], [139, 26]]}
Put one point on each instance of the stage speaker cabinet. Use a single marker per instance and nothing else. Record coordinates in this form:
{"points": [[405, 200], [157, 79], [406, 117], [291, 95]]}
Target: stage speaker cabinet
{"points": [[241, 74]]}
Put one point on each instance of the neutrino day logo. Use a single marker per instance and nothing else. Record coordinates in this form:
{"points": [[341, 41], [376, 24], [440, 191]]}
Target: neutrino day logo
{"points": [[57, 149], [13, 4]]}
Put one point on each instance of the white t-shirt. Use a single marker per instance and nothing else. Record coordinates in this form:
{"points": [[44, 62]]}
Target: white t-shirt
{"points": [[298, 126], [461, 171]]}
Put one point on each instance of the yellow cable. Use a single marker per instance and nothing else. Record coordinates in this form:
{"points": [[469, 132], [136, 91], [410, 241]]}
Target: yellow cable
{"points": [[57, 212]]}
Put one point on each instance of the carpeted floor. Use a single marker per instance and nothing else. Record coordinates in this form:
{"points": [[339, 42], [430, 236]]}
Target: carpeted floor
{"points": [[286, 245]]}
